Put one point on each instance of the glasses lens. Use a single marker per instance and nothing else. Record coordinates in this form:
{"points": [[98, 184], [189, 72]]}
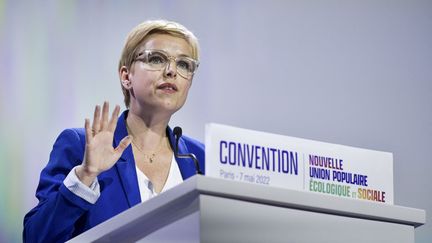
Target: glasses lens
{"points": [[185, 66], [155, 60]]}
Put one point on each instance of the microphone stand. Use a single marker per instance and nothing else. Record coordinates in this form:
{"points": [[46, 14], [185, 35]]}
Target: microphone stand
{"points": [[178, 133]]}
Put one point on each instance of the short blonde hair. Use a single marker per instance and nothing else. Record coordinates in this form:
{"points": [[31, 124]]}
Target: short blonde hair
{"points": [[143, 30]]}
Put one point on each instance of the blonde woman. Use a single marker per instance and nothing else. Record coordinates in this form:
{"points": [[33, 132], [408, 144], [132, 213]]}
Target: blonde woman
{"points": [[116, 162]]}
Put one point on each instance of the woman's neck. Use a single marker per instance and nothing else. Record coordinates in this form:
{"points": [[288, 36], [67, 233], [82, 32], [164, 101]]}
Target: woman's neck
{"points": [[147, 130]]}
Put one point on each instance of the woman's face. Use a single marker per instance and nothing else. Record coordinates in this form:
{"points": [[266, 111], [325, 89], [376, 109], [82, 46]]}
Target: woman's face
{"points": [[160, 90]]}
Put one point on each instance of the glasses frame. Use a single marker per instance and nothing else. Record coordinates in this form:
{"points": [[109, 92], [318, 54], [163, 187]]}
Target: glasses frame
{"points": [[141, 57]]}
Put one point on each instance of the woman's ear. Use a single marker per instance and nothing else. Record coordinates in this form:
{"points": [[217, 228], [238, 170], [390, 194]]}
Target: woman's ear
{"points": [[124, 77]]}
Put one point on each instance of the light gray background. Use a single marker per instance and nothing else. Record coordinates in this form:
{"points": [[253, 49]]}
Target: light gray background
{"points": [[356, 73]]}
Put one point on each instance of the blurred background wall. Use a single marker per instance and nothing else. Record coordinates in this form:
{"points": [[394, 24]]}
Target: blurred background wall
{"points": [[356, 73]]}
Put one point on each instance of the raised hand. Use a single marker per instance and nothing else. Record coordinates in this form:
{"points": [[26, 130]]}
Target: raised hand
{"points": [[100, 155]]}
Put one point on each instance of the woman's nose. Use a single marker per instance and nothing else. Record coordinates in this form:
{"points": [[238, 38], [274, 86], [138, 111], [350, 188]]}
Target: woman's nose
{"points": [[171, 69]]}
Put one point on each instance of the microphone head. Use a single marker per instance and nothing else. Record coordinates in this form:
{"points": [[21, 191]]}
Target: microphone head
{"points": [[177, 131]]}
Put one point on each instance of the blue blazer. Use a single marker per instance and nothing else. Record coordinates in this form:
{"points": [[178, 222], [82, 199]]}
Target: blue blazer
{"points": [[61, 215]]}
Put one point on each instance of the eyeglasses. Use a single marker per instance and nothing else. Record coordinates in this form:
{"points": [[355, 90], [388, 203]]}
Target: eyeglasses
{"points": [[157, 59]]}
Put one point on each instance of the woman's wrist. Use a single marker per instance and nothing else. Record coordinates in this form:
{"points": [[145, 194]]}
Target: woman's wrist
{"points": [[85, 175]]}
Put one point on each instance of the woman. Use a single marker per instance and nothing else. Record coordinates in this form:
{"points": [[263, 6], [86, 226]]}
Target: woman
{"points": [[93, 174]]}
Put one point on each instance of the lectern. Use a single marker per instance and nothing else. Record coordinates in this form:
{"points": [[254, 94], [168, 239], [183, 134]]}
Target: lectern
{"points": [[205, 209]]}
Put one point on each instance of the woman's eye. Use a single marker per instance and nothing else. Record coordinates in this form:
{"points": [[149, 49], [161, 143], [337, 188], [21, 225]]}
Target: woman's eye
{"points": [[156, 59], [183, 65]]}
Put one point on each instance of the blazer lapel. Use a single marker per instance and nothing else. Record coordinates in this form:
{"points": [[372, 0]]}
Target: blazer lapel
{"points": [[126, 164]]}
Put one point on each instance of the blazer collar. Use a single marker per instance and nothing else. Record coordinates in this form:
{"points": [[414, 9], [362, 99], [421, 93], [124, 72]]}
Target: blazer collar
{"points": [[126, 164]]}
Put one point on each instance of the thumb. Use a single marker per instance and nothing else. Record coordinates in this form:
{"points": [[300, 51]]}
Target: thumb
{"points": [[124, 143]]}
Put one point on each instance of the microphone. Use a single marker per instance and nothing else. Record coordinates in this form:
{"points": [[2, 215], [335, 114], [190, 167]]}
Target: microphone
{"points": [[178, 133]]}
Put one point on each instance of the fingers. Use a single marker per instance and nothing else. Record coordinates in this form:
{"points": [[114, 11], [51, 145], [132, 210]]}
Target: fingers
{"points": [[114, 117], [88, 131], [105, 112], [96, 120], [124, 143], [100, 121]]}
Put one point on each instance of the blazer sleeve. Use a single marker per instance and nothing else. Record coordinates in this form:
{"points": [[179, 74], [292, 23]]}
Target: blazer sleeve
{"points": [[56, 217]]}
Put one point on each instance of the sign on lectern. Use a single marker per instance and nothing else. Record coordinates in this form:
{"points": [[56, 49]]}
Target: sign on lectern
{"points": [[281, 161]]}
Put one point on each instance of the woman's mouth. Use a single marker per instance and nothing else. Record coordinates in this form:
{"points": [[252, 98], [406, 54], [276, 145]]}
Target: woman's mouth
{"points": [[168, 88]]}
